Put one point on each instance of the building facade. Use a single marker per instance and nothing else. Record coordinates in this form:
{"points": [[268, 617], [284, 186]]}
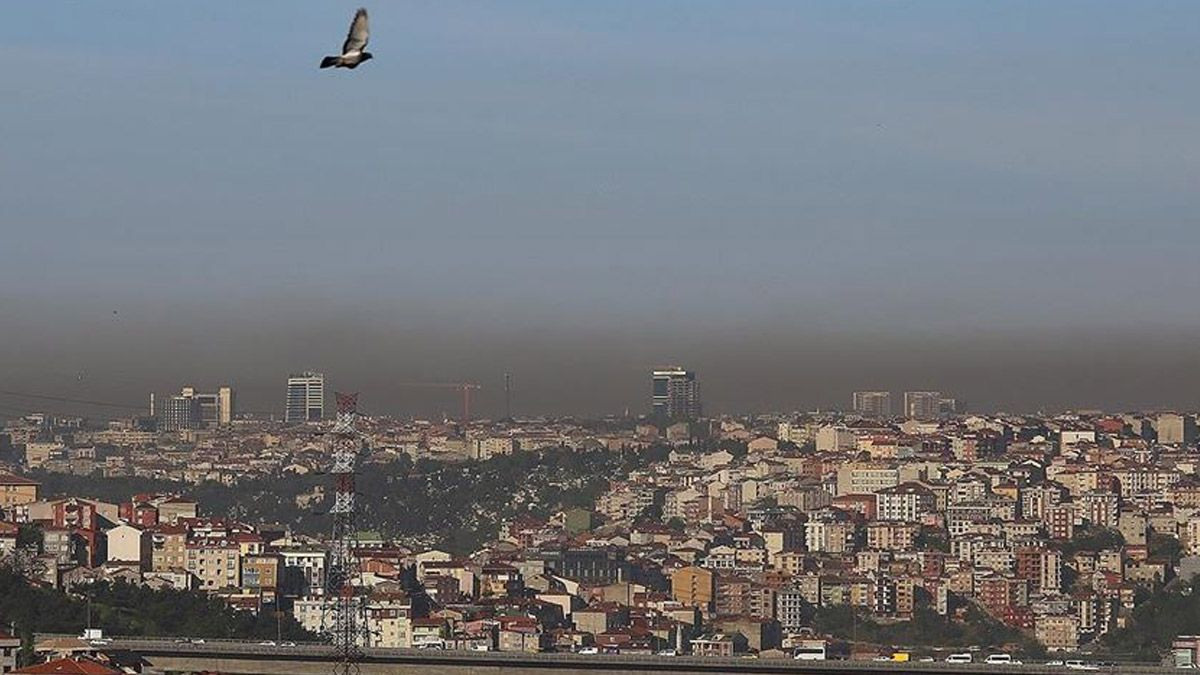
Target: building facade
{"points": [[922, 405], [676, 393], [873, 403], [214, 407], [305, 398], [180, 413], [1175, 429]]}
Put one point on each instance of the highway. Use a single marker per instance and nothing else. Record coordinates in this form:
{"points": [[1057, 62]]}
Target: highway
{"points": [[234, 656]]}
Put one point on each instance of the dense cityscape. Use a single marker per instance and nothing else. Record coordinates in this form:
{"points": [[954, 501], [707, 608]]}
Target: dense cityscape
{"points": [[900, 528], [642, 336]]}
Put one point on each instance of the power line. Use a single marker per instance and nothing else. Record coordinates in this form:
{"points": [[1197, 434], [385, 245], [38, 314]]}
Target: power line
{"points": [[101, 404], [68, 399], [18, 411]]}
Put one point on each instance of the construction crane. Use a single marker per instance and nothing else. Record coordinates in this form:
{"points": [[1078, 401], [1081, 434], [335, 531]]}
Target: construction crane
{"points": [[464, 387]]}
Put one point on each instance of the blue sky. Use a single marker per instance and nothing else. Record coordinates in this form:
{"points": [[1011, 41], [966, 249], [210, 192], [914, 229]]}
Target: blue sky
{"points": [[604, 173]]}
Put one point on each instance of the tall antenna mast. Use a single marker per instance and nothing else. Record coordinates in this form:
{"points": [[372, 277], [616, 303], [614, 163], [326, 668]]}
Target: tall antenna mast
{"points": [[345, 615]]}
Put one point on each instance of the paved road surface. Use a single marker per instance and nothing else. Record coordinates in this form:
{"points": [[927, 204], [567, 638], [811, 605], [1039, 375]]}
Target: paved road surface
{"points": [[234, 650]]}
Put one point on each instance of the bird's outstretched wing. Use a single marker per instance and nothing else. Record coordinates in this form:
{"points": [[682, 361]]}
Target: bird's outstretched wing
{"points": [[356, 40]]}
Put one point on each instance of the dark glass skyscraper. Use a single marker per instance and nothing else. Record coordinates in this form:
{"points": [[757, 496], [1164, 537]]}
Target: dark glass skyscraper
{"points": [[675, 394], [180, 413]]}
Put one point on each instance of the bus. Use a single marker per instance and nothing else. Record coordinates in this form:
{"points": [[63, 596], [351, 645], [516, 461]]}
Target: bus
{"points": [[811, 650]]}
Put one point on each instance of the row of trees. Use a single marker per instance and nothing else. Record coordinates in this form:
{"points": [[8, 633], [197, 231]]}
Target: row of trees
{"points": [[126, 609], [1158, 618], [926, 630]]}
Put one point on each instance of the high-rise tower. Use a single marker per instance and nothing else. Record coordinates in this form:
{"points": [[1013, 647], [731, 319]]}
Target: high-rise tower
{"points": [[675, 393], [305, 398], [922, 405], [180, 413], [873, 403]]}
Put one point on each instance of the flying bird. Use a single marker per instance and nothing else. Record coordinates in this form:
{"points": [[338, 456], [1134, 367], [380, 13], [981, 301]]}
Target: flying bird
{"points": [[353, 49]]}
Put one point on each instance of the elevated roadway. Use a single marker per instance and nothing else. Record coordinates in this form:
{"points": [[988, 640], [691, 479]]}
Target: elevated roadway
{"points": [[252, 658]]}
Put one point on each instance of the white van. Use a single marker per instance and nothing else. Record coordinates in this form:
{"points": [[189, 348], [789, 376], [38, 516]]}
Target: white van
{"points": [[959, 658], [1001, 660]]}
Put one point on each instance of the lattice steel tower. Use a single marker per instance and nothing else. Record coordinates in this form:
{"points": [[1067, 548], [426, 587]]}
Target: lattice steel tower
{"points": [[345, 617]]}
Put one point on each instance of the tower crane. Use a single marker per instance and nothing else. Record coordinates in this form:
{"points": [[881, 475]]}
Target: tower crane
{"points": [[464, 387]]}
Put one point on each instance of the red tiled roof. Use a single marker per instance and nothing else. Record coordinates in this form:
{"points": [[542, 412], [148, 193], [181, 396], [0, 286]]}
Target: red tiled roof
{"points": [[73, 666]]}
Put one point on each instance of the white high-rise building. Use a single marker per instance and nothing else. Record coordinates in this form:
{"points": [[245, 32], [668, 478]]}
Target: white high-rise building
{"points": [[1175, 429], [224, 405], [305, 398], [873, 403], [213, 407], [922, 405]]}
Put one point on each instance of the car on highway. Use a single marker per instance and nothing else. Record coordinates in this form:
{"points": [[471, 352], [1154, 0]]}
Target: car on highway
{"points": [[481, 648], [1080, 665], [267, 643], [1001, 660], [588, 650], [963, 657], [197, 641]]}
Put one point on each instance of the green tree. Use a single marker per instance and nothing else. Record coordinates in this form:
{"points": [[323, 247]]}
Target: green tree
{"points": [[1164, 547], [30, 537], [125, 609], [1093, 539], [1168, 612], [458, 506], [926, 628]]}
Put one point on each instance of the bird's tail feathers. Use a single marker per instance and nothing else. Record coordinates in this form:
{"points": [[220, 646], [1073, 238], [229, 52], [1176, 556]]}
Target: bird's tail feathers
{"points": [[330, 61]]}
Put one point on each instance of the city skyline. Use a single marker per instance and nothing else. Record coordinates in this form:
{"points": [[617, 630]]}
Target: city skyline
{"points": [[218, 405]]}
